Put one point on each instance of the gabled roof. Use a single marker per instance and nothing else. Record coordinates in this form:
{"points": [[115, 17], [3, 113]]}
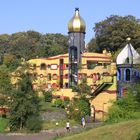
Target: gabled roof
{"points": [[128, 56]]}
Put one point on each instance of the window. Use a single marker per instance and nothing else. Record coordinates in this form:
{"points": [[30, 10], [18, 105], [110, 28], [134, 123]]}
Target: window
{"points": [[66, 76], [119, 74], [66, 85], [67, 66], [91, 64], [49, 77], [99, 64], [35, 75], [127, 60], [43, 66], [105, 65], [49, 86], [54, 76], [34, 66], [54, 66], [49, 66], [127, 74]]}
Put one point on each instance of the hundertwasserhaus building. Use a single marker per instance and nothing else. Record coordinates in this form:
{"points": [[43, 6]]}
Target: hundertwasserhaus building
{"points": [[107, 79]]}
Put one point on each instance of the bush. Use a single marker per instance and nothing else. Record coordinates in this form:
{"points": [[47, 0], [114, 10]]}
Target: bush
{"points": [[48, 96], [125, 108], [59, 103], [34, 124], [79, 108], [3, 124], [138, 137]]}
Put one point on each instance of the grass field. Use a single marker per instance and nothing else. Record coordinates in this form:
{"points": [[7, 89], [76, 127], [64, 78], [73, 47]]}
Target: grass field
{"points": [[128, 130]]}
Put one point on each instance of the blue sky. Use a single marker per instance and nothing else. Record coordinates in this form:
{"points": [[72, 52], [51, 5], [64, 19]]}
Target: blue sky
{"points": [[52, 16]]}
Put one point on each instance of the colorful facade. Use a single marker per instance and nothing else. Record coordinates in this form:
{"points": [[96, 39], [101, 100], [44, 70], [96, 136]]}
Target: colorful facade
{"points": [[64, 71]]}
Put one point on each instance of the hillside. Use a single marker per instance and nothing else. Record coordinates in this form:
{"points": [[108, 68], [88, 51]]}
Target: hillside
{"points": [[121, 131]]}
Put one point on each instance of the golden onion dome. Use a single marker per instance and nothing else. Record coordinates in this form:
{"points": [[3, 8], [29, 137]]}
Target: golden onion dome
{"points": [[77, 24]]}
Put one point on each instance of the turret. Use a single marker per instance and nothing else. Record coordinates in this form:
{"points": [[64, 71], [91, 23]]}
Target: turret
{"points": [[76, 31]]}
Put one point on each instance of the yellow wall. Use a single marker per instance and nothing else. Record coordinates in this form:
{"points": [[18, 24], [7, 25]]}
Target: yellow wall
{"points": [[102, 101]]}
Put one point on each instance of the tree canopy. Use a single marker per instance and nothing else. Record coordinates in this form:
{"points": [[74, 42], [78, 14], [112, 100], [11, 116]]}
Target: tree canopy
{"points": [[32, 44], [25, 103], [5, 86], [111, 33]]}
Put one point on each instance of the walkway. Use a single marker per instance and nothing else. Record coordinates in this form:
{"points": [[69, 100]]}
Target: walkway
{"points": [[47, 135]]}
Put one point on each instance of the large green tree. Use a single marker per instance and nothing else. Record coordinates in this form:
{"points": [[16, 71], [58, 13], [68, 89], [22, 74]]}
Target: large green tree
{"points": [[112, 32], [24, 105]]}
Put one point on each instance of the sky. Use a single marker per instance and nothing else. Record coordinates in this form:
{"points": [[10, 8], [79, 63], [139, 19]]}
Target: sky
{"points": [[52, 16]]}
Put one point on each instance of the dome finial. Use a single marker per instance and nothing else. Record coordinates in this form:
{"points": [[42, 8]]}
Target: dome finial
{"points": [[76, 9], [77, 24]]}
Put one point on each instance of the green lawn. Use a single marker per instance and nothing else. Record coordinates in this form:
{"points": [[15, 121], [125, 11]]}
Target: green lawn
{"points": [[3, 124], [128, 130]]}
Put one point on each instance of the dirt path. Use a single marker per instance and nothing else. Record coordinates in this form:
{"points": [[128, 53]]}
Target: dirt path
{"points": [[46, 135]]}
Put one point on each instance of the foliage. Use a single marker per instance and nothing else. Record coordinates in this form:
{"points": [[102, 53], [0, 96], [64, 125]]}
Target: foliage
{"points": [[48, 96], [138, 138], [59, 103], [79, 108], [25, 103], [82, 88], [111, 33], [126, 107], [5, 86], [3, 124], [34, 124], [92, 45], [11, 62], [32, 44]]}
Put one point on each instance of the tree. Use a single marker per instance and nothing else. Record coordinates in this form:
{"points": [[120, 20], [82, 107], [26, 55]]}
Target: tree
{"points": [[25, 103], [111, 33], [79, 108], [92, 45], [5, 86], [82, 88], [32, 44]]}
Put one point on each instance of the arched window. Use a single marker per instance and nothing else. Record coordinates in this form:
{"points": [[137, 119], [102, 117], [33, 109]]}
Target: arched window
{"points": [[43, 66], [127, 75], [119, 74], [127, 60]]}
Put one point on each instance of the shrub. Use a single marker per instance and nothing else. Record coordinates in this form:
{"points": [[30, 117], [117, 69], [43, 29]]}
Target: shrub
{"points": [[48, 96], [59, 103], [138, 137], [79, 108], [3, 124], [34, 124], [125, 108]]}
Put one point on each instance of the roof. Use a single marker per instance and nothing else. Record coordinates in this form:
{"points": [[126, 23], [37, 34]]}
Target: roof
{"points": [[128, 55], [77, 23]]}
